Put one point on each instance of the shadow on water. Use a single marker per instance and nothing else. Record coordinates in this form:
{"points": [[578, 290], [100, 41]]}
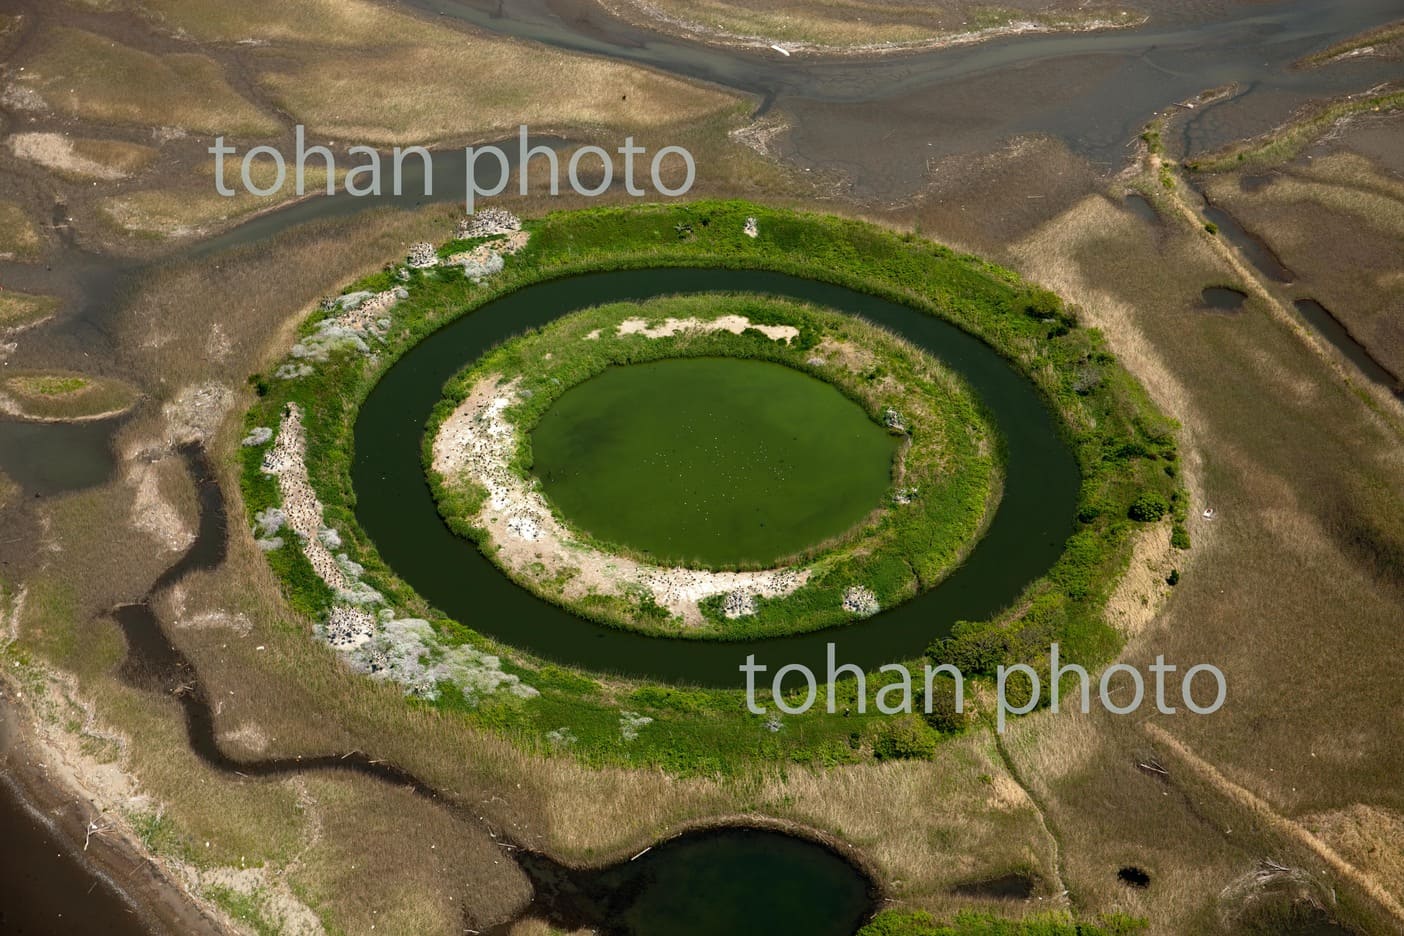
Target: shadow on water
{"points": [[1142, 208], [783, 883], [51, 458]]}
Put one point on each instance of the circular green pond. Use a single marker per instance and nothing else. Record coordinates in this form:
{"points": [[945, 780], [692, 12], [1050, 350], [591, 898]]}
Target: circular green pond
{"points": [[711, 461]]}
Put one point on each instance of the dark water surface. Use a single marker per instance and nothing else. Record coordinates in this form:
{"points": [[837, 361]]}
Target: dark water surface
{"points": [[720, 461], [50, 458], [394, 505], [728, 882], [1224, 299], [46, 889]]}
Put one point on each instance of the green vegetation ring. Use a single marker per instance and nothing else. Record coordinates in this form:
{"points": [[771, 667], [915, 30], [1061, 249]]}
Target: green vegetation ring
{"points": [[798, 508], [333, 449]]}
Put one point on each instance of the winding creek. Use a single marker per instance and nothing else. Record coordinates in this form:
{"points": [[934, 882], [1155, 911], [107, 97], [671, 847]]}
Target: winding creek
{"points": [[788, 883], [1092, 92]]}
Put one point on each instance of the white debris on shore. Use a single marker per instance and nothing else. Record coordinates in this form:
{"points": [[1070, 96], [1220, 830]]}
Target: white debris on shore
{"points": [[478, 442], [258, 435], [422, 256], [362, 315], [630, 723], [860, 600], [752, 228], [736, 324], [486, 223], [373, 642], [398, 652], [488, 259], [739, 604]]}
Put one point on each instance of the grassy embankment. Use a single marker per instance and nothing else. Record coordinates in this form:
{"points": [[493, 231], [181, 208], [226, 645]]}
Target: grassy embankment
{"points": [[1126, 451], [1387, 40], [1283, 143], [948, 470]]}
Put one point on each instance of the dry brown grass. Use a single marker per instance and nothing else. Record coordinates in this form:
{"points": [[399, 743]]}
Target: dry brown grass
{"points": [[446, 873], [340, 93], [1337, 222], [91, 77], [103, 160], [1286, 590], [191, 206], [22, 310], [19, 239], [339, 97]]}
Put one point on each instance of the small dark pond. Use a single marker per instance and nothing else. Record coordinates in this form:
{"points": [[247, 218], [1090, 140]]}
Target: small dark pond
{"points": [[1224, 299]]}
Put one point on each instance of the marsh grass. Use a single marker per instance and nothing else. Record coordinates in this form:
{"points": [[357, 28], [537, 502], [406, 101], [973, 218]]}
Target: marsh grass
{"points": [[193, 205], [1388, 36], [1286, 591], [91, 77], [338, 94], [1285, 142], [84, 158], [22, 310], [19, 238], [1337, 223], [857, 25]]}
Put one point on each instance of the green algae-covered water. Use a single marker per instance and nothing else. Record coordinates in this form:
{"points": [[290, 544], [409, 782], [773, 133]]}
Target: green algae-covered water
{"points": [[713, 461]]}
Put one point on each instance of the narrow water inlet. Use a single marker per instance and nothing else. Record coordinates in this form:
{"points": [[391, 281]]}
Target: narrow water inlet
{"points": [[1254, 248], [1331, 328]]}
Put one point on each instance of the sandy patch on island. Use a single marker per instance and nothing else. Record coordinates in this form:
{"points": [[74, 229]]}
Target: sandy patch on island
{"points": [[477, 443]]}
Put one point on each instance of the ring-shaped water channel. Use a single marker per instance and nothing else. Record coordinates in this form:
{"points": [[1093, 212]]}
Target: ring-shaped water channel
{"points": [[395, 508]]}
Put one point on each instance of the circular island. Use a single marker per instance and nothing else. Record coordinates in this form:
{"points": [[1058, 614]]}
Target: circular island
{"points": [[722, 465], [1040, 444]]}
